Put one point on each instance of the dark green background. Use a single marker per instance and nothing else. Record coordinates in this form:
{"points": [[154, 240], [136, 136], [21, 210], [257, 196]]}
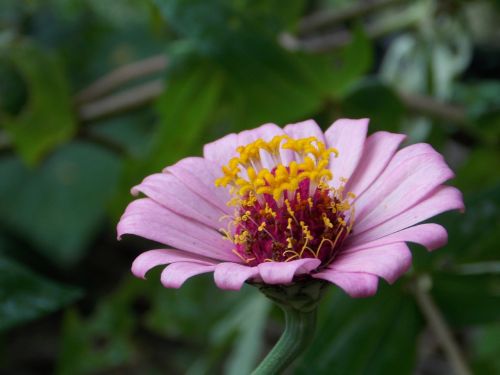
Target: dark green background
{"points": [[68, 303]]}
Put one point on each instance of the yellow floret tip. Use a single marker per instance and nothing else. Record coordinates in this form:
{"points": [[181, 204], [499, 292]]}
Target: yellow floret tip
{"points": [[246, 176]]}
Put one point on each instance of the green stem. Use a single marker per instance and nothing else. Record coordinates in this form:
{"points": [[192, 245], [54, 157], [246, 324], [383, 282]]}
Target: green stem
{"points": [[299, 331]]}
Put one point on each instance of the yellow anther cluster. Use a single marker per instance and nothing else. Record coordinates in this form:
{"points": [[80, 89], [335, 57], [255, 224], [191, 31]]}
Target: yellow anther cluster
{"points": [[268, 211], [326, 221], [306, 232], [241, 238], [247, 177]]}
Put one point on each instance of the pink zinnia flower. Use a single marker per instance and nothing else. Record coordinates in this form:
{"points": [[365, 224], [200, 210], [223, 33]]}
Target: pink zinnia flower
{"points": [[275, 205]]}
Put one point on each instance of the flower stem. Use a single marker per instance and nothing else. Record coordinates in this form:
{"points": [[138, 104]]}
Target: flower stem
{"points": [[299, 331]]}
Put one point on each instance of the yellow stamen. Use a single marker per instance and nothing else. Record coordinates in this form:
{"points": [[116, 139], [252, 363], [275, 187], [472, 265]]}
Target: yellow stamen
{"points": [[314, 166]]}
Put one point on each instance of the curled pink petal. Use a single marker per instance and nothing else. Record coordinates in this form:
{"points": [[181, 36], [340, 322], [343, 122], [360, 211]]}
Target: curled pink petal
{"points": [[348, 137], [364, 201], [152, 258], [431, 236], [198, 175], [399, 188], [146, 218], [444, 198], [283, 272], [170, 192], [355, 284], [378, 150], [387, 261], [231, 276], [174, 275]]}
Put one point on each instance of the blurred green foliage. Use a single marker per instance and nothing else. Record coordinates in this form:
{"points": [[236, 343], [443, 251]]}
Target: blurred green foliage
{"points": [[68, 303]]}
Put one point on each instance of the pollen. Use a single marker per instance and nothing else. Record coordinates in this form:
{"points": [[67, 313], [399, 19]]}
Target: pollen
{"points": [[285, 209]]}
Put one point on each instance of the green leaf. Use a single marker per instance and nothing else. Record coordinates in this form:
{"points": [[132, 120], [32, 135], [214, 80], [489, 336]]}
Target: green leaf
{"points": [[485, 349], [372, 99], [47, 119], [265, 82], [476, 168], [248, 320], [210, 25], [234, 325], [278, 86], [25, 295], [59, 206], [350, 63], [188, 312], [483, 107], [364, 336], [102, 340], [467, 299], [475, 235]]}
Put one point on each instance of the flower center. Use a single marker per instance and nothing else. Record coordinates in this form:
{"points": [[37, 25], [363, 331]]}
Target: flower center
{"points": [[285, 211]]}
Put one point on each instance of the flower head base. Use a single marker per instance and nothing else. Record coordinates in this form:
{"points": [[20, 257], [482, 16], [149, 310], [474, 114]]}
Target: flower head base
{"points": [[289, 212]]}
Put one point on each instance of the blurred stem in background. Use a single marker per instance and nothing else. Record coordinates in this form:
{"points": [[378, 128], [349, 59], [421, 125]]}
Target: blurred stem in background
{"points": [[438, 325]]}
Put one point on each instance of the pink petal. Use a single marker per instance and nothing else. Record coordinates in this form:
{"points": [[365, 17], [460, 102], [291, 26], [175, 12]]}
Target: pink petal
{"points": [[152, 258], [174, 275], [364, 200], [355, 284], [199, 176], [305, 129], [146, 218], [399, 187], [387, 261], [222, 150], [231, 276], [444, 198], [348, 137], [378, 151], [283, 272], [431, 236], [170, 192]]}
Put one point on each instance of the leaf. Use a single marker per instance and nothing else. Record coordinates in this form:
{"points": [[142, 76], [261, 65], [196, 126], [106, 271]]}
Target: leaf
{"points": [[59, 206], [210, 25], [47, 119], [483, 107], [485, 349], [467, 299], [478, 167], [278, 86], [265, 82], [248, 320], [474, 236], [101, 341], [350, 63], [372, 99], [234, 325], [25, 295], [179, 313], [364, 336]]}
